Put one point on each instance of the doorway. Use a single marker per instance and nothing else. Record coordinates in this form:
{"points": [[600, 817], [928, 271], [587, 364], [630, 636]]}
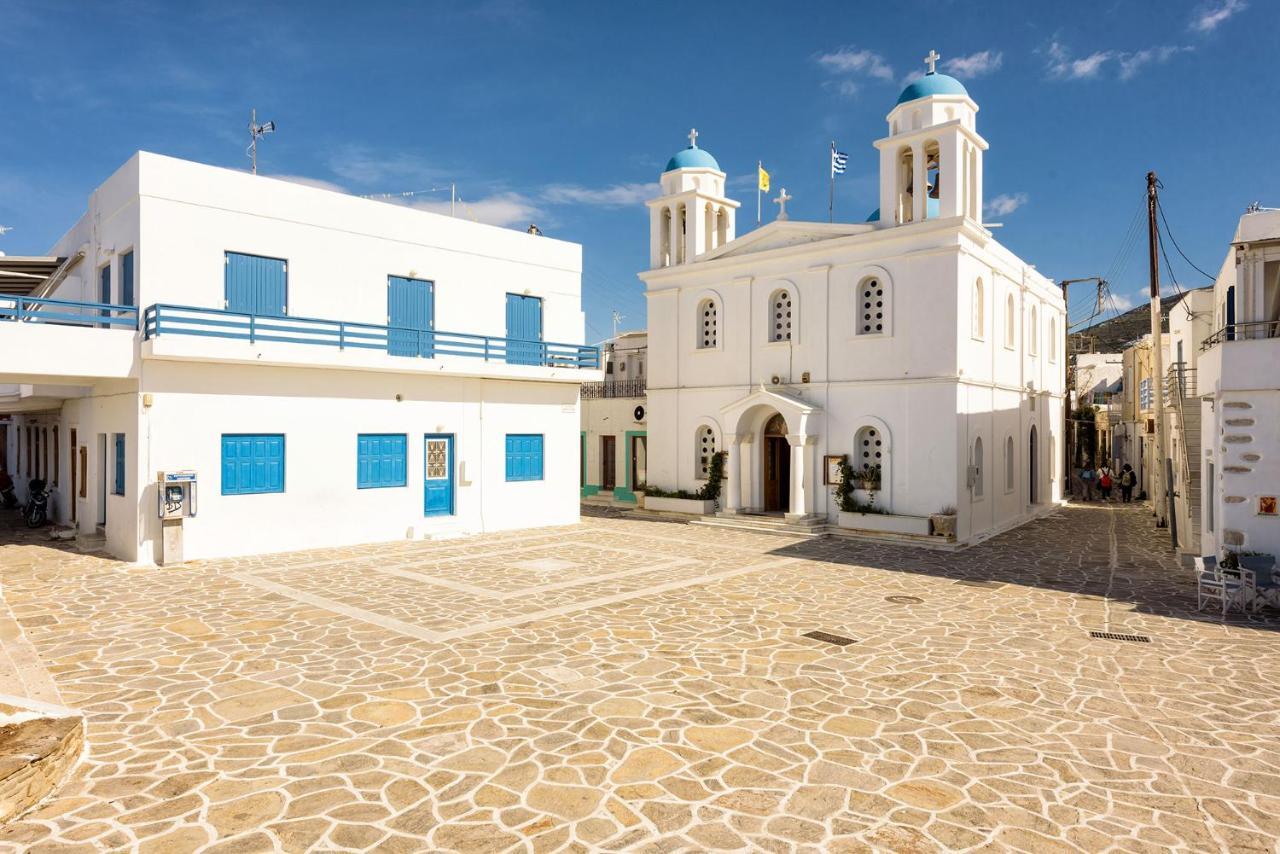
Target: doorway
{"points": [[639, 461], [1033, 468], [608, 463], [437, 491], [777, 466]]}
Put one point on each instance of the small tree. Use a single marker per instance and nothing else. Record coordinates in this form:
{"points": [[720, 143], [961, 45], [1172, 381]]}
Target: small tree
{"points": [[715, 475]]}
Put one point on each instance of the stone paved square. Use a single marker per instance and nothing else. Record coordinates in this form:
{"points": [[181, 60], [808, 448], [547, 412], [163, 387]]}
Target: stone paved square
{"points": [[626, 684]]}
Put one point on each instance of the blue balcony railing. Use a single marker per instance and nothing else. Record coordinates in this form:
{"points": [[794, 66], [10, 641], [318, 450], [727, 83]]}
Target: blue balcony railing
{"points": [[63, 312], [164, 319]]}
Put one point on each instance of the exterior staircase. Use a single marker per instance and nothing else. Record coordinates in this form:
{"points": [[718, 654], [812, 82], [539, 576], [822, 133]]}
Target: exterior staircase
{"points": [[809, 526]]}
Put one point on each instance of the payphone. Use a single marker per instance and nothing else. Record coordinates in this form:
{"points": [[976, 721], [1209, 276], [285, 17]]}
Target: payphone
{"points": [[175, 500]]}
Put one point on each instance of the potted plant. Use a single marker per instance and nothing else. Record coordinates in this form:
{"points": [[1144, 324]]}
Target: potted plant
{"points": [[943, 523]]}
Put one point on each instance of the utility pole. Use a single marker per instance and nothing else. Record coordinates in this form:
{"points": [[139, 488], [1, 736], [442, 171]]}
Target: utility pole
{"points": [[1158, 485]]}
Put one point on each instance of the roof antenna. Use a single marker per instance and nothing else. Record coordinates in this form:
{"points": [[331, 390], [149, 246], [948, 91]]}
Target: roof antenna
{"points": [[256, 132], [617, 318]]}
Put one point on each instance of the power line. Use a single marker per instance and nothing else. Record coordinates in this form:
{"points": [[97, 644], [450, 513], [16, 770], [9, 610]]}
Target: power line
{"points": [[1169, 231]]}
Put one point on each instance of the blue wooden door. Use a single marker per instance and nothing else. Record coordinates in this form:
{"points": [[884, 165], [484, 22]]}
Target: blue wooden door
{"points": [[256, 285], [524, 330], [438, 475], [410, 317]]}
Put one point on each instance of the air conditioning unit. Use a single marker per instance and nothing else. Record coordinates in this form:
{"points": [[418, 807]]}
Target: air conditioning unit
{"points": [[775, 380]]}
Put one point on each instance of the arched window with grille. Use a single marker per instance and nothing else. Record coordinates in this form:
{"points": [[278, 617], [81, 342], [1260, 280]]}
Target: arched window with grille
{"points": [[870, 454], [704, 448], [781, 311], [875, 302], [708, 324]]}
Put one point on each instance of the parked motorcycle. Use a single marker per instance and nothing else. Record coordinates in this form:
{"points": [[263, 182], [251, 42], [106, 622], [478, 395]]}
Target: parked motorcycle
{"points": [[7, 499], [36, 513]]}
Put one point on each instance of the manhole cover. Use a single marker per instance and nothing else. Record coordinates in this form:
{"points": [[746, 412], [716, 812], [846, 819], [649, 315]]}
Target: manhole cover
{"points": [[827, 637], [904, 600]]}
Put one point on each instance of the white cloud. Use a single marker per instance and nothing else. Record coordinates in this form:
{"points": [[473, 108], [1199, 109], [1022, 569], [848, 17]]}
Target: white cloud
{"points": [[1132, 63], [1213, 14], [364, 167], [1005, 204], [975, 64], [848, 59], [1120, 303], [306, 181], [615, 196], [1063, 66], [511, 210]]}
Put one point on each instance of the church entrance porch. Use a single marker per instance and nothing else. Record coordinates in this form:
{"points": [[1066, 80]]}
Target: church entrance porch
{"points": [[777, 466]]}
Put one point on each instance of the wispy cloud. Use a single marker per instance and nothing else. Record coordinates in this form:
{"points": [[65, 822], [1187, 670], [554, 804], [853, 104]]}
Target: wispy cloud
{"points": [[365, 167], [1121, 303], [847, 63], [1210, 15], [1062, 64], [614, 196], [308, 181], [975, 64], [1005, 204], [510, 210]]}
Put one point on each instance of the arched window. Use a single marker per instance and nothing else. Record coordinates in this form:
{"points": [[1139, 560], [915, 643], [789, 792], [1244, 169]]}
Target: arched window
{"points": [[704, 448], [932, 176], [979, 310], [869, 453], [682, 231], [1053, 339], [708, 324], [1008, 465], [1009, 327], [780, 315], [874, 302], [906, 184], [664, 239], [977, 467], [1035, 332]]}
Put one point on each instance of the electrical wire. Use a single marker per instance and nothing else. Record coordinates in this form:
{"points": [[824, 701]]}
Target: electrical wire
{"points": [[1174, 240]]}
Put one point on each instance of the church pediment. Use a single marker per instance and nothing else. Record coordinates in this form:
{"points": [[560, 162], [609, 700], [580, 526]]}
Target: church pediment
{"points": [[782, 235]]}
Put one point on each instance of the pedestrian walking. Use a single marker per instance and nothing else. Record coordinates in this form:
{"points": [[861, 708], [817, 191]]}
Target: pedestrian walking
{"points": [[1086, 480], [1128, 477], [1105, 482]]}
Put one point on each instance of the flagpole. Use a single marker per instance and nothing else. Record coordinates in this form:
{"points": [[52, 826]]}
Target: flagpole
{"points": [[759, 165], [831, 202]]}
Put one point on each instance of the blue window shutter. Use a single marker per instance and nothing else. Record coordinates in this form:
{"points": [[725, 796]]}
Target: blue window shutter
{"points": [[524, 329], [252, 463], [410, 311], [256, 285], [104, 291], [126, 280], [119, 484], [380, 460], [524, 456]]}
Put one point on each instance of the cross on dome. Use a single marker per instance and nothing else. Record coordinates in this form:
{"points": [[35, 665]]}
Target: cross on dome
{"points": [[693, 137], [932, 61]]}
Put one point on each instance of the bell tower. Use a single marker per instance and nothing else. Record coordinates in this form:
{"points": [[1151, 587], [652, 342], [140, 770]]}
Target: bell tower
{"points": [[693, 215], [931, 161]]}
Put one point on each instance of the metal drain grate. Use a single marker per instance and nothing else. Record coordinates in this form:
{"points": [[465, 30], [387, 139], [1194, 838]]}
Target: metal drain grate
{"points": [[985, 585], [1119, 637], [827, 637], [904, 600]]}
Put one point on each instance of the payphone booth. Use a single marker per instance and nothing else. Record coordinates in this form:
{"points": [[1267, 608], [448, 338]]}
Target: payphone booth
{"points": [[176, 500]]}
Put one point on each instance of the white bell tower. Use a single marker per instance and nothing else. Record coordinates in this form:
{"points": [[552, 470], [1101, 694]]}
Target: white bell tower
{"points": [[931, 162], [692, 216]]}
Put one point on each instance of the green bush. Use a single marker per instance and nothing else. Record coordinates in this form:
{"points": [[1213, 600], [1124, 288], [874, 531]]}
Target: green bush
{"points": [[851, 480], [710, 491]]}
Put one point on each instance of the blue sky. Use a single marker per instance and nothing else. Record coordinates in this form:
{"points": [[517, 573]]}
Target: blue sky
{"points": [[563, 114]]}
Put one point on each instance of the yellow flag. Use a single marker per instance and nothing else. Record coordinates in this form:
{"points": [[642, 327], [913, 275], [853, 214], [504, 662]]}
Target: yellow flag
{"points": [[764, 179]]}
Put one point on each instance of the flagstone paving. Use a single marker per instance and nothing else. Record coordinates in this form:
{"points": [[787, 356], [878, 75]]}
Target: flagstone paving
{"points": [[635, 685]]}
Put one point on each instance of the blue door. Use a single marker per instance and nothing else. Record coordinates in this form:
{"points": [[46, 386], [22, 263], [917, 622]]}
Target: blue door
{"points": [[524, 330], [438, 475], [410, 316], [256, 285]]}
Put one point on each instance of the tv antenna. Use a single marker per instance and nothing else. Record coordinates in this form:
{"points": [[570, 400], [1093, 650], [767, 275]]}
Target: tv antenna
{"points": [[617, 318], [257, 132]]}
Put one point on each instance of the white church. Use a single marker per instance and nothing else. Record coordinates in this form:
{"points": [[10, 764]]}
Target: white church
{"points": [[913, 345]]}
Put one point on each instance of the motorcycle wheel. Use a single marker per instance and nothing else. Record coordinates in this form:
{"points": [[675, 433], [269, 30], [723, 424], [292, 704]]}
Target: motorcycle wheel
{"points": [[36, 519]]}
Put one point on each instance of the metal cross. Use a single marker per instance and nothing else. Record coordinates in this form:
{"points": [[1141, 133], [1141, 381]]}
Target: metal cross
{"points": [[932, 61], [781, 202], [693, 137]]}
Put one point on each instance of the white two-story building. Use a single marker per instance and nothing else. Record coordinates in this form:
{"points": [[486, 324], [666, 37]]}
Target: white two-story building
{"points": [[913, 345], [334, 370]]}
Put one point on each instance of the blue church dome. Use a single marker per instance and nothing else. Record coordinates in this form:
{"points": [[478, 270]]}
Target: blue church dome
{"points": [[935, 210], [692, 158], [932, 84]]}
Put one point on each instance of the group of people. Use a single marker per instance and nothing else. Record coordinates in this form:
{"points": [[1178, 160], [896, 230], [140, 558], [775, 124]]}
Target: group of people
{"points": [[1104, 479]]}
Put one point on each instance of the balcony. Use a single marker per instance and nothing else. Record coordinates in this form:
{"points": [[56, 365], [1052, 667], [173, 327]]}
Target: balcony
{"points": [[59, 341], [613, 389], [1242, 332], [1240, 357]]}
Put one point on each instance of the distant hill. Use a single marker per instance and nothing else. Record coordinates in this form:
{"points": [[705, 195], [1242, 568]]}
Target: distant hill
{"points": [[1112, 336]]}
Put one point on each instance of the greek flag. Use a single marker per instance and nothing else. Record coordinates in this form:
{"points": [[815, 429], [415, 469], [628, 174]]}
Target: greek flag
{"points": [[839, 160]]}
